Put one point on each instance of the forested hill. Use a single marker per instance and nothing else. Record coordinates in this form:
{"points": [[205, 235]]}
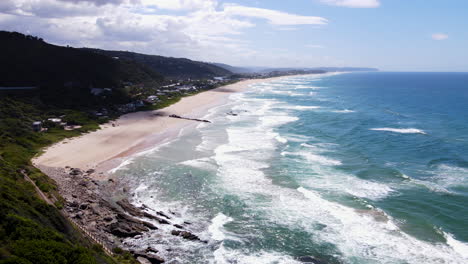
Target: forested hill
{"points": [[30, 61], [170, 67]]}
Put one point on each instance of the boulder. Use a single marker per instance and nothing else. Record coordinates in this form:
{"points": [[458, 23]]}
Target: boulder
{"points": [[163, 214], [185, 234], [135, 211], [124, 233], [151, 250], [75, 172], [152, 258], [310, 260]]}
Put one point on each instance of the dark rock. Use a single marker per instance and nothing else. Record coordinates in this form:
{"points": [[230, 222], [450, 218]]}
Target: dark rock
{"points": [[152, 258], [135, 211], [185, 234], [119, 232], [144, 207], [108, 219], [90, 171], [77, 216], [187, 223], [127, 226], [163, 214], [160, 220], [74, 196], [149, 225], [310, 260], [179, 226], [110, 180], [75, 172], [84, 206], [150, 249]]}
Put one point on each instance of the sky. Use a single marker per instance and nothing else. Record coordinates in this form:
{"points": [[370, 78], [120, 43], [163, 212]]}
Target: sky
{"points": [[392, 35]]}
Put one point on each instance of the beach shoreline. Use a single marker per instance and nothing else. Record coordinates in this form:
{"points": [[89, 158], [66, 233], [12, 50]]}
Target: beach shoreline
{"points": [[133, 133]]}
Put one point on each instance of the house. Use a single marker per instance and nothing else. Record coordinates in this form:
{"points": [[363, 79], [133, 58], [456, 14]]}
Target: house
{"points": [[37, 126], [55, 120], [170, 85], [152, 98]]}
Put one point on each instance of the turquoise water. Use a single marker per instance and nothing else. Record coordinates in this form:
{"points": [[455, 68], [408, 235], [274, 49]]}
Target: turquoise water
{"points": [[348, 168]]}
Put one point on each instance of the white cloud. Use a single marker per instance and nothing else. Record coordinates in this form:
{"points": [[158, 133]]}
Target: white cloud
{"points": [[439, 36], [98, 2], [180, 4], [200, 29], [273, 16], [353, 3]]}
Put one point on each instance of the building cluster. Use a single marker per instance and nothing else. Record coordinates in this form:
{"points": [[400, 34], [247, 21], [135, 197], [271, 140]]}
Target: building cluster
{"points": [[150, 97], [44, 125]]}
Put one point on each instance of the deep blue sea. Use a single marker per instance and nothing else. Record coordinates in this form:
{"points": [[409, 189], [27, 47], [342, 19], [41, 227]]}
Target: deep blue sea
{"points": [[344, 168]]}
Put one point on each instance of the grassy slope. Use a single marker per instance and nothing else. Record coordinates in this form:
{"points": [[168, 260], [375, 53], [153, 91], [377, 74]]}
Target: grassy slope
{"points": [[30, 230]]}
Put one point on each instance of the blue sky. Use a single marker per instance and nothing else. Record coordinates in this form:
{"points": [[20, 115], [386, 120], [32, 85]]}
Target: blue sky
{"points": [[393, 35]]}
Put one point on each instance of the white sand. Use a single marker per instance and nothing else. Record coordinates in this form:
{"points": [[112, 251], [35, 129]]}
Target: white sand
{"points": [[134, 132]]}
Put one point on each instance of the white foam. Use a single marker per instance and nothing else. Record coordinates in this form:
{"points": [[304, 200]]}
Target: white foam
{"points": [[373, 235], [333, 181], [216, 227], [202, 163], [226, 256], [299, 87], [298, 107], [121, 166], [281, 139], [400, 130], [277, 120], [444, 178], [345, 111], [460, 247], [450, 176], [310, 157]]}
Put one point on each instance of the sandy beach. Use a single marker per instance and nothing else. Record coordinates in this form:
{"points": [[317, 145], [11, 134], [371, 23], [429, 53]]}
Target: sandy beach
{"points": [[105, 149]]}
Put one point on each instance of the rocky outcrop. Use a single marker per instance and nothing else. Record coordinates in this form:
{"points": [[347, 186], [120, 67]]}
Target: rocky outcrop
{"points": [[150, 257], [135, 211], [186, 235], [310, 260], [93, 205]]}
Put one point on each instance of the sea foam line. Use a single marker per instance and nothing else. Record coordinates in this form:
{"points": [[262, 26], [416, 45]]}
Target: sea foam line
{"points": [[401, 130]]}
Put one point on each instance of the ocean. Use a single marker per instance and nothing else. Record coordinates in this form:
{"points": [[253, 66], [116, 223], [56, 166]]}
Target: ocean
{"points": [[342, 168]]}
